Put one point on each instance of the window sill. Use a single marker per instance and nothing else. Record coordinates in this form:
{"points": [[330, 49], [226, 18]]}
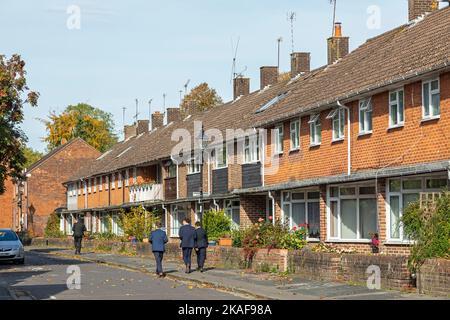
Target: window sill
{"points": [[430, 119], [397, 126], [365, 133], [337, 140], [294, 150], [253, 162], [315, 145], [192, 173], [398, 242], [348, 241], [226, 167]]}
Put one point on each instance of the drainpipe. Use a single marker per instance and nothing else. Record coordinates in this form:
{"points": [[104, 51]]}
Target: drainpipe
{"points": [[165, 215], [273, 206], [209, 176], [349, 159], [263, 158], [216, 204], [178, 189]]}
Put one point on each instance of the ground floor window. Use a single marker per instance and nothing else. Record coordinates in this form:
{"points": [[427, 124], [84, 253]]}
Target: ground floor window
{"points": [[403, 191], [302, 208], [104, 223], [198, 212], [69, 223], [116, 229], [352, 212], [178, 213], [62, 223], [233, 210]]}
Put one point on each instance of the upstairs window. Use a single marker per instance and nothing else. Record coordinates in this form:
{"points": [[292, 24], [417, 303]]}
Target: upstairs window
{"points": [[79, 188], [315, 130], [251, 149], [220, 155], [365, 116], [106, 182], [100, 183], [84, 187], [113, 181], [396, 108], [431, 99], [95, 184], [295, 135], [279, 134], [127, 178], [193, 166], [119, 180], [89, 185], [134, 175], [338, 118], [172, 171]]}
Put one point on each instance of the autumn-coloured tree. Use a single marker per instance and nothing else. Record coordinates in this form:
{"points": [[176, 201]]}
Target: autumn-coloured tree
{"points": [[93, 125], [31, 156], [13, 89], [202, 98]]}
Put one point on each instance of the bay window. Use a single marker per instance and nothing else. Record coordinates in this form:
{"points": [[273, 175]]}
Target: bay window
{"points": [[302, 208], [352, 212], [396, 108], [315, 130], [295, 135], [431, 99]]}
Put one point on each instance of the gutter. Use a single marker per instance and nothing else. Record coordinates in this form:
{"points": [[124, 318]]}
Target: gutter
{"points": [[349, 131]]}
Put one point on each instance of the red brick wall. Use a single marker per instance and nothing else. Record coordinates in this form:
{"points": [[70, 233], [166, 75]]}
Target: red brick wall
{"points": [[45, 189], [252, 208], [416, 142], [6, 206]]}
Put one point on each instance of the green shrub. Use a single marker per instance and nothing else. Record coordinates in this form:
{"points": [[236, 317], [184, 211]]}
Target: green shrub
{"points": [[429, 229], [52, 227], [216, 224], [138, 222]]}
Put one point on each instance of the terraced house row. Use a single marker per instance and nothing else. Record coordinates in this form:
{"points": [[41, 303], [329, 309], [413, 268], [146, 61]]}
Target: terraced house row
{"points": [[344, 149]]}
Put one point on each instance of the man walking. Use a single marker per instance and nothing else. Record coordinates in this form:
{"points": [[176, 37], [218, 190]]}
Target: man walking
{"points": [[201, 243], [158, 239], [187, 236], [78, 230]]}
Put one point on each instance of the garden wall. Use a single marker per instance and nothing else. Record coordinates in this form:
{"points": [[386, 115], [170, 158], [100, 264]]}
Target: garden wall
{"points": [[434, 277]]}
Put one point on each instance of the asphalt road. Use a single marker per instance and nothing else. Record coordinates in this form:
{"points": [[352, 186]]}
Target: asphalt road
{"points": [[45, 277]]}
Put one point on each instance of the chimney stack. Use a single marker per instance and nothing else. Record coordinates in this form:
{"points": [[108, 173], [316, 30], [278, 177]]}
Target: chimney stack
{"points": [[173, 115], [338, 46], [129, 131], [417, 8], [142, 126], [157, 120], [241, 87], [300, 63], [268, 76]]}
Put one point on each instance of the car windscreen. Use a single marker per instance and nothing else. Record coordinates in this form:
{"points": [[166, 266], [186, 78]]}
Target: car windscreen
{"points": [[8, 236]]}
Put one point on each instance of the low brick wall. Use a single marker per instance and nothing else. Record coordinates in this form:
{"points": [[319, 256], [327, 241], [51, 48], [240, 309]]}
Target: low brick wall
{"points": [[434, 277], [350, 267], [112, 246]]}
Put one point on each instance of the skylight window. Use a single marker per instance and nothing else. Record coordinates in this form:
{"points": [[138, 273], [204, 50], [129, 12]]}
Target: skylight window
{"points": [[104, 155], [123, 152], [272, 102]]}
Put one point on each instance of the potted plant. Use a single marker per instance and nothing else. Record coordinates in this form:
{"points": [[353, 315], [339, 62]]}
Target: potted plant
{"points": [[225, 240]]}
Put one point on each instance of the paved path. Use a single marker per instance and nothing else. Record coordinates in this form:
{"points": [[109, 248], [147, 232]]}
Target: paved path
{"points": [[44, 277], [264, 286]]}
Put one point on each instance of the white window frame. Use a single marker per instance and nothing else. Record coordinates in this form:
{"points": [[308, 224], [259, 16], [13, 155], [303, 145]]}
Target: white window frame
{"points": [[193, 166], [365, 108], [79, 186], [389, 194], [84, 187], [279, 139], [223, 152], [127, 177], [113, 181], [106, 182], [304, 201], [430, 100], [229, 206], [397, 103], [95, 184], [119, 180], [337, 117], [175, 224], [357, 196], [134, 175], [251, 144], [89, 185], [295, 134], [100, 184], [315, 130]]}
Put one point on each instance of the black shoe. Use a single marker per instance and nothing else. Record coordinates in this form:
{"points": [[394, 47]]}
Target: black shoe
{"points": [[187, 269], [202, 270]]}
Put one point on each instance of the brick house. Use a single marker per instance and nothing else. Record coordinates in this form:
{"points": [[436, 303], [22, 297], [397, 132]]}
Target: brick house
{"points": [[6, 205], [41, 192], [343, 148]]}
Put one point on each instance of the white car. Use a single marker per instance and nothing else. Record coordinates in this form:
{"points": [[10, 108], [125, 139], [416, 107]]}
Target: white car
{"points": [[11, 248]]}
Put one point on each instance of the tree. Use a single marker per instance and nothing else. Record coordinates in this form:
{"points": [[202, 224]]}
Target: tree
{"points": [[138, 222], [13, 90], [31, 156], [93, 125], [202, 97]]}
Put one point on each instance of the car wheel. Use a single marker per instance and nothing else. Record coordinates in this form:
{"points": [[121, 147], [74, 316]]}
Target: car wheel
{"points": [[21, 261]]}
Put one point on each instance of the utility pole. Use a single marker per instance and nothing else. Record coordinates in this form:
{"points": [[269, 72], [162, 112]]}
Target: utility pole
{"points": [[279, 45], [137, 110], [291, 17], [333, 2]]}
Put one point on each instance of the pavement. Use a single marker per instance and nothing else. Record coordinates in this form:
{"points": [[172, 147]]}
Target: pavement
{"points": [[240, 283]]}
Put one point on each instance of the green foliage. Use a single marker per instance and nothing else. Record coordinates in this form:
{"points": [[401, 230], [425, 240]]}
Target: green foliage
{"points": [[93, 125], [296, 239], [138, 222], [429, 229], [216, 224], [52, 227], [31, 156], [202, 97], [13, 89], [106, 236]]}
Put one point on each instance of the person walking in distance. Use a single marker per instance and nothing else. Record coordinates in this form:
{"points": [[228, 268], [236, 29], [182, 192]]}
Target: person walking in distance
{"points": [[78, 230], [187, 236], [201, 243], [158, 239]]}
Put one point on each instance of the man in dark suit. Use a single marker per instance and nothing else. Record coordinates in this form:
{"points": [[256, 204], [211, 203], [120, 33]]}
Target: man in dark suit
{"points": [[158, 239], [78, 230], [201, 243], [187, 236]]}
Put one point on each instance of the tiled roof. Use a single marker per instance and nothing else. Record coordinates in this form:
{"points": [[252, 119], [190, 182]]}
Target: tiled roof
{"points": [[404, 52]]}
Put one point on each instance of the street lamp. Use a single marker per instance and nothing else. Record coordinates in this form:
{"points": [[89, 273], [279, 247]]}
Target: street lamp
{"points": [[204, 144]]}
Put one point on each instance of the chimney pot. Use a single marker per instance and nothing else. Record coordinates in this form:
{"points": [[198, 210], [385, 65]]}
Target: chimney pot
{"points": [[241, 87], [157, 120], [300, 63], [338, 46], [268, 76], [417, 8]]}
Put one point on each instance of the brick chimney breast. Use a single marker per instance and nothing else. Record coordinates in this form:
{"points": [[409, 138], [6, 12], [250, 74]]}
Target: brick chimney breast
{"points": [[338, 46], [300, 63], [241, 87], [268, 76], [142, 126], [417, 8], [173, 115], [129, 131], [157, 120]]}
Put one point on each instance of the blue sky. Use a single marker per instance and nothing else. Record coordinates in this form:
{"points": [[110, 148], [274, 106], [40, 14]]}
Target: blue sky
{"points": [[141, 49]]}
